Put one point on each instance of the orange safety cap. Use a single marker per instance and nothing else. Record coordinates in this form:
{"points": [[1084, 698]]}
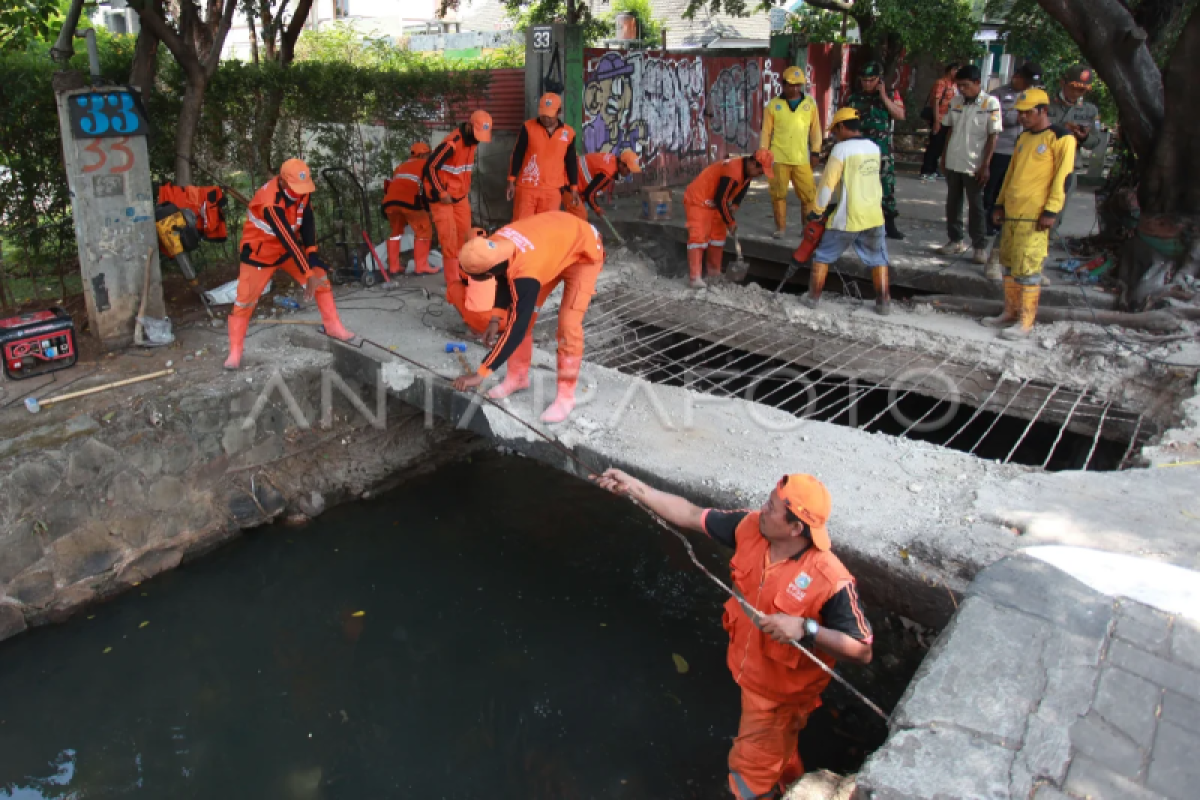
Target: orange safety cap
{"points": [[481, 125], [766, 160], [808, 499], [481, 296], [296, 175], [479, 255], [630, 160], [549, 105], [419, 149]]}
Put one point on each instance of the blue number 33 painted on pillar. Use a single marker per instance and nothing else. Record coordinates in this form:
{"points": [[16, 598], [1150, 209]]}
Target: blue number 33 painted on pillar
{"points": [[109, 114]]}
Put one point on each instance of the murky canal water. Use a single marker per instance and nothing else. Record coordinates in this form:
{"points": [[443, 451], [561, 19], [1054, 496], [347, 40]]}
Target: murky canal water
{"points": [[515, 640]]}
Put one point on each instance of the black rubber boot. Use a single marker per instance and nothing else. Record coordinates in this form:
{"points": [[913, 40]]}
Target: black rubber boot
{"points": [[889, 227]]}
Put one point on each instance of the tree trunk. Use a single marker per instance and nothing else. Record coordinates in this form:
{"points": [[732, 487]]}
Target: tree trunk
{"points": [[268, 121], [253, 35], [145, 62], [1170, 179], [188, 122]]}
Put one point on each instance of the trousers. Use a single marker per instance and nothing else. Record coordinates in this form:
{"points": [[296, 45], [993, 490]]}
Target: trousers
{"points": [[958, 185]]}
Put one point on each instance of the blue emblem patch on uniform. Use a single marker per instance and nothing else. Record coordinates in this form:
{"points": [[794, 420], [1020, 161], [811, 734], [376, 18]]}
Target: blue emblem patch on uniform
{"points": [[803, 580], [1041, 148]]}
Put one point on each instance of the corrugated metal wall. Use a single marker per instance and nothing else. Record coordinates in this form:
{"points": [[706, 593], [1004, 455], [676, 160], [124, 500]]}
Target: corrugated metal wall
{"points": [[504, 100]]}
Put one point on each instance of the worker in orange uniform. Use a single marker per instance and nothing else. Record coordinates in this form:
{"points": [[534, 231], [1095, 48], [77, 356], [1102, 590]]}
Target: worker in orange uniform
{"points": [[527, 260], [709, 203], [597, 173], [544, 164], [280, 231], [782, 566], [446, 180], [404, 204]]}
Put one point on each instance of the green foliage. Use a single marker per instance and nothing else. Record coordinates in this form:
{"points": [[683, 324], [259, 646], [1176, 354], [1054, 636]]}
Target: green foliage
{"points": [[544, 12], [23, 22], [939, 29], [818, 25]]}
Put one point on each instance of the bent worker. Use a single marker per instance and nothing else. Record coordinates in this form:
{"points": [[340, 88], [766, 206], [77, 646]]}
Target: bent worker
{"points": [[791, 130], [1030, 200], [404, 204], [709, 203], [280, 232], [476, 307], [597, 173], [520, 265], [446, 179], [851, 180], [783, 566], [544, 164]]}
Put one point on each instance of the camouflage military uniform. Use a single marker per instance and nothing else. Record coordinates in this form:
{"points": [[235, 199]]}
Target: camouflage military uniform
{"points": [[876, 125]]}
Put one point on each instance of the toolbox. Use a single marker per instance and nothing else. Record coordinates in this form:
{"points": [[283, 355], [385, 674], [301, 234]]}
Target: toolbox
{"points": [[37, 343]]}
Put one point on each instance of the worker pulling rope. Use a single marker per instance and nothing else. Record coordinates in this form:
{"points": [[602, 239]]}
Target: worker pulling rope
{"points": [[755, 616]]}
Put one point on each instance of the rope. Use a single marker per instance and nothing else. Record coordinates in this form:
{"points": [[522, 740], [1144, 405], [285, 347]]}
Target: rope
{"points": [[756, 616]]}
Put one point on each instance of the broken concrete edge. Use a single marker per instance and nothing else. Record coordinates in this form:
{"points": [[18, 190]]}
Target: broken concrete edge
{"points": [[989, 712], [932, 278], [97, 509]]}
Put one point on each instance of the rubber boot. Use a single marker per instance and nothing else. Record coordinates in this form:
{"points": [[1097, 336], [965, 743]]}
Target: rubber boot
{"points": [[816, 285], [516, 374], [779, 207], [568, 377], [1028, 313], [883, 294], [695, 268], [393, 255], [889, 227], [421, 257], [1012, 303], [237, 339], [712, 263], [329, 316], [450, 268]]}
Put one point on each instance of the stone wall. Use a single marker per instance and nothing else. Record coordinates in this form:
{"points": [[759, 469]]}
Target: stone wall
{"points": [[100, 501]]}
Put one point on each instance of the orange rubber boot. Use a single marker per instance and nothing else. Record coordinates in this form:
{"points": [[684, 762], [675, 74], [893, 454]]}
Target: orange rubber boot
{"points": [[450, 268], [712, 261], [816, 285], [237, 339], [516, 375], [421, 257], [695, 267], [568, 377], [329, 316], [883, 293], [393, 255]]}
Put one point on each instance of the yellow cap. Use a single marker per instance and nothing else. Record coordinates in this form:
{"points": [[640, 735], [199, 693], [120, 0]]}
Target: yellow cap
{"points": [[794, 75], [1032, 98], [842, 115]]}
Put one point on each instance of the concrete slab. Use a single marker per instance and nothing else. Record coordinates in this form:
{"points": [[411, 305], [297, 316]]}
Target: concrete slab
{"points": [[913, 765]]}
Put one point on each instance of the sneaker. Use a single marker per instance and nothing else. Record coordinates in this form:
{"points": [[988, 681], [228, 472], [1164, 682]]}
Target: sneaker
{"points": [[953, 248], [778, 234], [980, 256], [926, 178], [993, 271], [697, 283]]}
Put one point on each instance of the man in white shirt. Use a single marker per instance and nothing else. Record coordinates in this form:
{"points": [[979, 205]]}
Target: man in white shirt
{"points": [[974, 120]]}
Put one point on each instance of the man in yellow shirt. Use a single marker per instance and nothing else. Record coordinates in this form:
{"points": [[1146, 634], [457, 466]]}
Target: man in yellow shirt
{"points": [[1029, 203], [851, 180], [791, 130]]}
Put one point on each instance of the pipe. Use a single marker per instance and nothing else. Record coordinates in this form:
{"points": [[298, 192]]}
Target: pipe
{"points": [[63, 49], [93, 54]]}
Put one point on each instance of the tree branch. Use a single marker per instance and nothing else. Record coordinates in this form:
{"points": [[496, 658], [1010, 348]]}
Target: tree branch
{"points": [[294, 29], [843, 6], [150, 13], [218, 40]]}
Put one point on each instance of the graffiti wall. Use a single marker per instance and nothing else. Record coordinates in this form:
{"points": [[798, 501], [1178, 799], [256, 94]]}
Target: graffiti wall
{"points": [[678, 112]]}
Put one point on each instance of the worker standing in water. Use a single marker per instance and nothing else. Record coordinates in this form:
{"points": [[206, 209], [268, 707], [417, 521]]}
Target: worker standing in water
{"points": [[404, 204], [446, 180], [709, 203], [597, 173], [544, 164], [782, 565], [280, 232], [516, 269]]}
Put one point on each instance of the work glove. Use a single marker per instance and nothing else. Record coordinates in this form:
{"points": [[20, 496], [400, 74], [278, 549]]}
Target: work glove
{"points": [[316, 262], [812, 217]]}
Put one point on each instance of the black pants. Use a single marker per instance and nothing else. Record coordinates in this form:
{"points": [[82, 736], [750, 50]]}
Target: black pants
{"points": [[999, 167], [933, 151], [958, 186]]}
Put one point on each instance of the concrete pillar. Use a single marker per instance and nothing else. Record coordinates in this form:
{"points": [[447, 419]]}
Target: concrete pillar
{"points": [[573, 97], [109, 177]]}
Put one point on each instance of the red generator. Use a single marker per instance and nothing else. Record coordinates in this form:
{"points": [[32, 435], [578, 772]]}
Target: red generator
{"points": [[37, 343]]}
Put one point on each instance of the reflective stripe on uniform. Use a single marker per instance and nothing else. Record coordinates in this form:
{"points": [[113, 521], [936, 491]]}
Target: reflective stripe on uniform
{"points": [[717, 243], [258, 223], [744, 792], [459, 169]]}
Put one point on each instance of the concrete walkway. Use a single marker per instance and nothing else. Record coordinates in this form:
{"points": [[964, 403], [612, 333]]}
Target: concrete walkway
{"points": [[915, 265]]}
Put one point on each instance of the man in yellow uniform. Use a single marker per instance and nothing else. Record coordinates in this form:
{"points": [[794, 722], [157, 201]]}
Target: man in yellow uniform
{"points": [[791, 130], [1029, 202], [851, 181]]}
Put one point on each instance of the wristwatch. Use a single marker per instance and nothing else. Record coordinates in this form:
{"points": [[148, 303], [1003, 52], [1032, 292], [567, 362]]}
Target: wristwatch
{"points": [[810, 629]]}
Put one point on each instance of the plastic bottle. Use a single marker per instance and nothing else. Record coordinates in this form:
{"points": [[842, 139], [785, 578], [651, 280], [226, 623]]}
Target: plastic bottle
{"points": [[287, 302]]}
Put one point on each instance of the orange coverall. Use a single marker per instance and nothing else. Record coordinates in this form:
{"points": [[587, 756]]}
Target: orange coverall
{"points": [[447, 173], [780, 685], [597, 173], [404, 204], [551, 248], [543, 165], [709, 203]]}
